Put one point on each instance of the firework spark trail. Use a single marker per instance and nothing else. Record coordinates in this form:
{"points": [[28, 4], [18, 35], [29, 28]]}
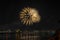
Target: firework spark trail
{"points": [[29, 16]]}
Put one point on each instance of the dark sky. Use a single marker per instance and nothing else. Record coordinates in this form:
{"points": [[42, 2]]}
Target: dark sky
{"points": [[49, 11]]}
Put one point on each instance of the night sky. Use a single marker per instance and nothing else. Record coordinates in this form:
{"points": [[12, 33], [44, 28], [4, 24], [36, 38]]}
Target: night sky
{"points": [[49, 11]]}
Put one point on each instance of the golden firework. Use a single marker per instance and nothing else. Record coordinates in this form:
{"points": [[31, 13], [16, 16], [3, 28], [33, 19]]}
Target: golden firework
{"points": [[29, 16]]}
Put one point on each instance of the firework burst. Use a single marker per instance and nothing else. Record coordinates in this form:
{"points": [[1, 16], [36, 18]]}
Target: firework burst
{"points": [[29, 16]]}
